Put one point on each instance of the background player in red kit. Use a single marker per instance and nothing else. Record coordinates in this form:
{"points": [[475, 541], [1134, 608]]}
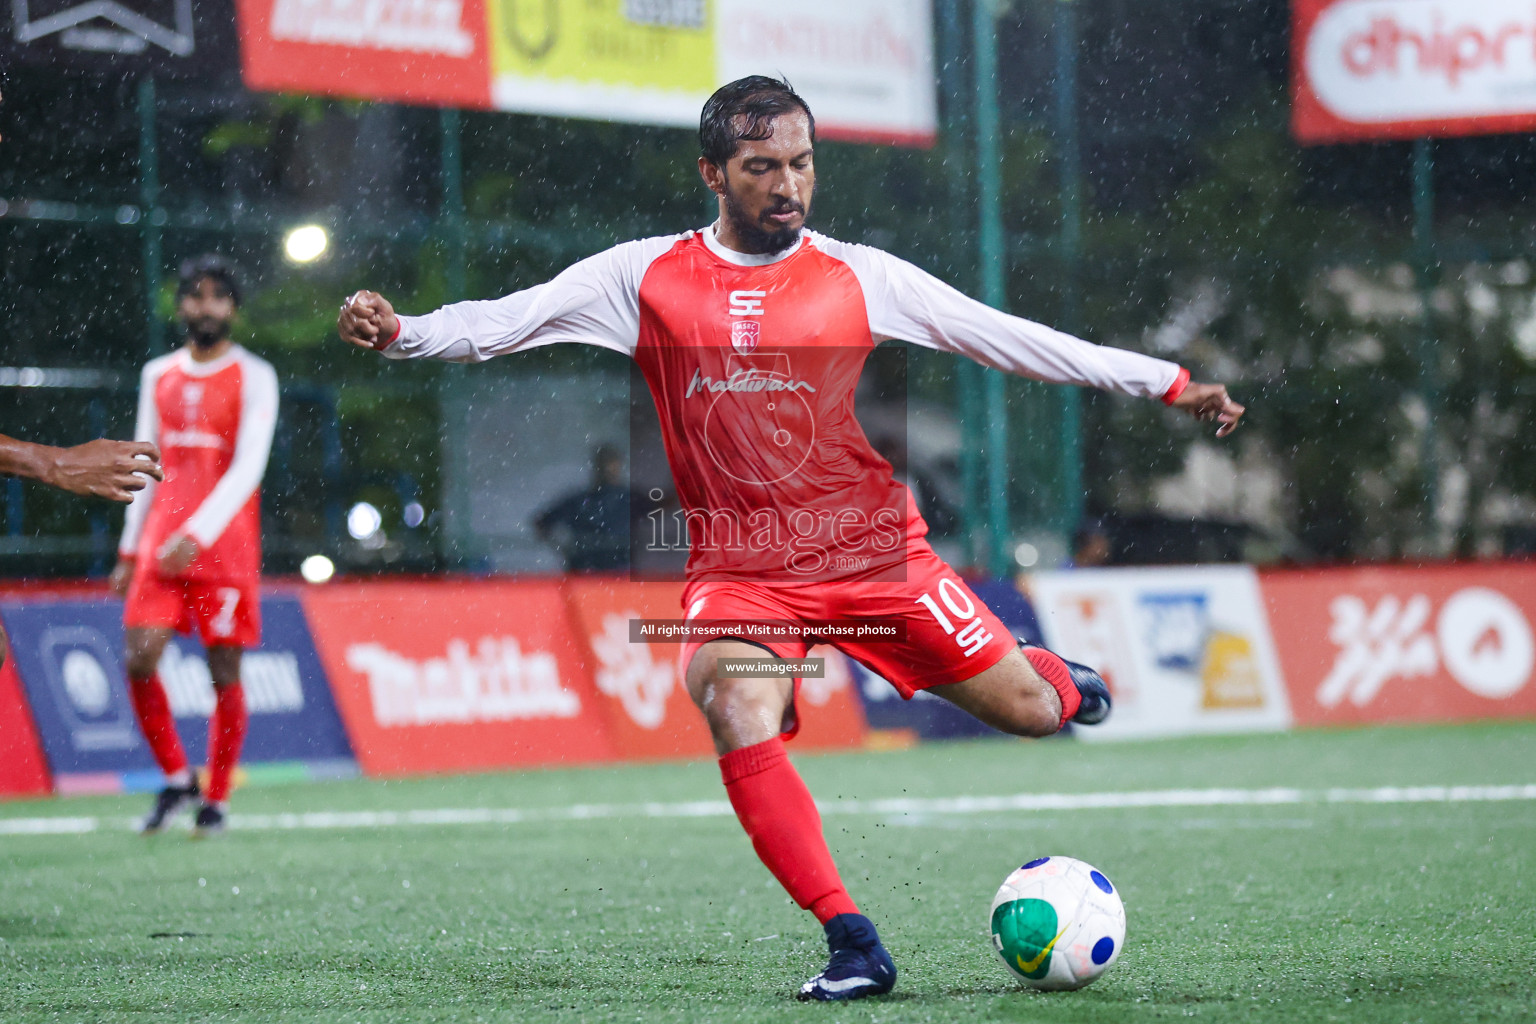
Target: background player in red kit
{"points": [[190, 554], [751, 335]]}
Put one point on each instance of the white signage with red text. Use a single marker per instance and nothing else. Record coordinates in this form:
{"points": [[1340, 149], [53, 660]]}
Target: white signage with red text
{"points": [[1184, 651], [1396, 69]]}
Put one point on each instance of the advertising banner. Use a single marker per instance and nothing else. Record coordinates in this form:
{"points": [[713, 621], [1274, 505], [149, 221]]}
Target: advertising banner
{"points": [[69, 655], [1401, 69], [455, 676], [1184, 651], [23, 772], [640, 686], [647, 707], [1406, 644], [865, 66]]}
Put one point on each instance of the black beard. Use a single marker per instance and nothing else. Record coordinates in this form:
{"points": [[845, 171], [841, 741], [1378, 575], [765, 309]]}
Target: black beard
{"points": [[754, 236], [207, 331]]}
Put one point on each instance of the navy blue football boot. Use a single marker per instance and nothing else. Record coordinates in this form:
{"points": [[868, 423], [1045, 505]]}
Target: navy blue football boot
{"points": [[1096, 703], [859, 967]]}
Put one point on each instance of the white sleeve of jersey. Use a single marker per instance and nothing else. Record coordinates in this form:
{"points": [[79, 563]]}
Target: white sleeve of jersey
{"points": [[253, 443], [593, 302], [911, 305], [145, 428]]}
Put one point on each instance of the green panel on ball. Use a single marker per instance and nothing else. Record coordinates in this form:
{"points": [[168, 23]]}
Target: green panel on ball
{"points": [[1027, 931]]}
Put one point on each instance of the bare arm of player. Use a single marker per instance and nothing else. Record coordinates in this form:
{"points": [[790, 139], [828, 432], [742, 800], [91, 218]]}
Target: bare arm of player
{"points": [[102, 469], [122, 575]]}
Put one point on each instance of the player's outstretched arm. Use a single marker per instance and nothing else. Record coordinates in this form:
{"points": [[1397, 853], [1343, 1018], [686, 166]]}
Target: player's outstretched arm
{"points": [[1210, 402], [102, 468], [367, 320]]}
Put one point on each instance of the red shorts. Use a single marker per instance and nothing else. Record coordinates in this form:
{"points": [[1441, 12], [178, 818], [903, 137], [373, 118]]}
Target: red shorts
{"points": [[949, 635], [226, 613]]}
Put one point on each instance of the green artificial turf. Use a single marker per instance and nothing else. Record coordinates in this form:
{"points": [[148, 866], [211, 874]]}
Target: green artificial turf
{"points": [[1292, 912]]}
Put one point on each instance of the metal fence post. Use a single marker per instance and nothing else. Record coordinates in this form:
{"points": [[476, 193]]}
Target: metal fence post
{"points": [[150, 217], [993, 259]]}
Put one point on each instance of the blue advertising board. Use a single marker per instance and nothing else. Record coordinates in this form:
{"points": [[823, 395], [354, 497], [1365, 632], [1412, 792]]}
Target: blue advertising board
{"points": [[69, 654]]}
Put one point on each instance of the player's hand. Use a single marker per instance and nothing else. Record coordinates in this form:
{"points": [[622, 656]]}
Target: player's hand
{"points": [[367, 320], [1210, 402], [174, 558], [122, 575], [106, 469]]}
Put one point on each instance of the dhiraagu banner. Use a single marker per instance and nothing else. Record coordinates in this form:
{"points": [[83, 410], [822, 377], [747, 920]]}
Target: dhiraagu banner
{"points": [[865, 66]]}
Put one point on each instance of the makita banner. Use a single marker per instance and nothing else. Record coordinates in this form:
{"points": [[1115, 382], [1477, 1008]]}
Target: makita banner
{"points": [[454, 676], [69, 655], [1184, 651], [1399, 69], [1406, 645], [865, 66]]}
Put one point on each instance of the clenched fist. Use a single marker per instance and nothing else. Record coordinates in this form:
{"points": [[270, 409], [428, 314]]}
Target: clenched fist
{"points": [[367, 320]]}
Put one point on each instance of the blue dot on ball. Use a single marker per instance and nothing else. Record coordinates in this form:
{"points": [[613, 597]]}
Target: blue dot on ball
{"points": [[1103, 950], [1100, 881], [1034, 863]]}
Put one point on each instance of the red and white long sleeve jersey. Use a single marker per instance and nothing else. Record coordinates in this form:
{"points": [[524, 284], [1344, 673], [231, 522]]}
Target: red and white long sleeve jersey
{"points": [[753, 361], [213, 422]]}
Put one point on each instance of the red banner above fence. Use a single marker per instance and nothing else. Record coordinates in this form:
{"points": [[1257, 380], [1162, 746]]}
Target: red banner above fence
{"points": [[1365, 70]]}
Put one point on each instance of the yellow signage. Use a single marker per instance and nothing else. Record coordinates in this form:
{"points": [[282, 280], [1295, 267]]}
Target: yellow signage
{"points": [[656, 45]]}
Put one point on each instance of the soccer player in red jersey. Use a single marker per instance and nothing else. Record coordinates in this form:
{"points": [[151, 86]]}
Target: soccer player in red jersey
{"points": [[190, 554], [751, 335]]}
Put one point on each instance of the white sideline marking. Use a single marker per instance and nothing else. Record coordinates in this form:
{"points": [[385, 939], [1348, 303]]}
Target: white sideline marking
{"points": [[721, 808]]}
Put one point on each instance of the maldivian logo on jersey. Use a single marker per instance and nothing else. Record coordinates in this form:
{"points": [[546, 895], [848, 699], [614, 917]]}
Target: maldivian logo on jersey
{"points": [[745, 381]]}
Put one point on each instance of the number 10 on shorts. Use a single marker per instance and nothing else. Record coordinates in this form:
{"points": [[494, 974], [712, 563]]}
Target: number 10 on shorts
{"points": [[972, 636]]}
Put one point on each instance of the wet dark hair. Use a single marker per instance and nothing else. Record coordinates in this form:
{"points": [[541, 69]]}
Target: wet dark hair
{"points": [[744, 110], [210, 265]]}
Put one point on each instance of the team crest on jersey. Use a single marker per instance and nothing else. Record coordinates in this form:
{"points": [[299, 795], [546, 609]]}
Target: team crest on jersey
{"points": [[745, 334]]}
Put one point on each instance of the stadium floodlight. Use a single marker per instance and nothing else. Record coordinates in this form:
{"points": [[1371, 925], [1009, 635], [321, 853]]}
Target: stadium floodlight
{"points": [[414, 514], [363, 521], [1027, 555], [317, 569], [306, 244]]}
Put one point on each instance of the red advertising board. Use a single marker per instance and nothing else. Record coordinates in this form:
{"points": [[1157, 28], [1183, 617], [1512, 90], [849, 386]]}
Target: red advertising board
{"points": [[1402, 69], [23, 772], [1405, 645], [455, 676], [649, 712], [435, 54], [640, 686]]}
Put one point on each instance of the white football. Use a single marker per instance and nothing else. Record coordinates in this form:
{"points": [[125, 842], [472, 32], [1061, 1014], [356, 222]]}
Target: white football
{"points": [[1058, 923]]}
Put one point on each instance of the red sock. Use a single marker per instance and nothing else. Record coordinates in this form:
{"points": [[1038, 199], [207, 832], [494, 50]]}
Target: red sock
{"points": [[157, 723], [777, 811], [226, 733], [1054, 671]]}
